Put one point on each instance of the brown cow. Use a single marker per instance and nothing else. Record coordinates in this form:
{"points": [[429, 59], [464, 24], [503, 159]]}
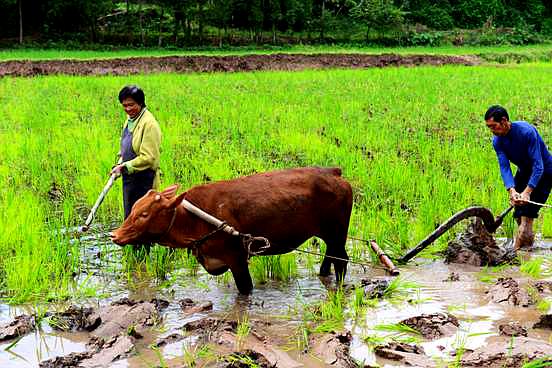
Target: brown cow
{"points": [[287, 207]]}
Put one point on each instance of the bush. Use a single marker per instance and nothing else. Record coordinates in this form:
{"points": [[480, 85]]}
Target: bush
{"points": [[428, 38]]}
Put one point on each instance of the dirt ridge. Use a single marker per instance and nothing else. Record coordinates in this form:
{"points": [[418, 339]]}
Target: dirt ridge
{"points": [[230, 63]]}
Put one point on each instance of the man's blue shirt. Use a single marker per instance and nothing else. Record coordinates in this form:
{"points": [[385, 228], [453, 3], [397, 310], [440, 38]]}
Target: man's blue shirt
{"points": [[525, 148]]}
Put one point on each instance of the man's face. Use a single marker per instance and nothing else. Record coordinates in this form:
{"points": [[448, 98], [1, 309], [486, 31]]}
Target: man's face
{"points": [[132, 108], [498, 128]]}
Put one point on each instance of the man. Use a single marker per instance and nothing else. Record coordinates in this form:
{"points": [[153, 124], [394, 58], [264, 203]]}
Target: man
{"points": [[519, 142]]}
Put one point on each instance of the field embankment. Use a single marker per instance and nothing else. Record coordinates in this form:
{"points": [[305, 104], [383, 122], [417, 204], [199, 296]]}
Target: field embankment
{"points": [[230, 63]]}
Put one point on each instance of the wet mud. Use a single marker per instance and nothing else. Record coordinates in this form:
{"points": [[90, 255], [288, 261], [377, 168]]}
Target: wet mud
{"points": [[512, 329], [509, 291], [114, 330], [144, 326], [374, 288], [476, 246], [405, 354], [20, 326], [433, 326], [512, 353], [206, 64]]}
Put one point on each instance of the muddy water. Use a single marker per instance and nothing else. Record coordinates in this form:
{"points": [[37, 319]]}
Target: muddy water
{"points": [[278, 304]]}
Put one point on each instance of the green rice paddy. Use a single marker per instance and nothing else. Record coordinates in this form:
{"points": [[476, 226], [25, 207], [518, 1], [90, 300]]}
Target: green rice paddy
{"points": [[542, 52], [412, 142]]}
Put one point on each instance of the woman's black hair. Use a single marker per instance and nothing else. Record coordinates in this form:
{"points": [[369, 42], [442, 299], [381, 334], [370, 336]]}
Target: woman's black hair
{"points": [[496, 112], [133, 92]]}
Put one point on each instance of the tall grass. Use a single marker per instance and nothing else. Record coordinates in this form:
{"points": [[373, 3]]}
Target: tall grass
{"points": [[410, 140]]}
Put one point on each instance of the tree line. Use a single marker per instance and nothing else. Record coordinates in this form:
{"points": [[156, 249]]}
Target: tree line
{"points": [[205, 22]]}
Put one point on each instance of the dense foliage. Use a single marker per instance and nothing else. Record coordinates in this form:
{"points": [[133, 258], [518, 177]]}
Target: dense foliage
{"points": [[207, 22]]}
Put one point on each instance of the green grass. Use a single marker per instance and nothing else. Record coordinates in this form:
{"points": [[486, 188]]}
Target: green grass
{"points": [[491, 53], [411, 141]]}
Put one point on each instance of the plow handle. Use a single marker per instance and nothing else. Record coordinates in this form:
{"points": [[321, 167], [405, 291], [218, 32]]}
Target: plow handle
{"points": [[99, 201]]}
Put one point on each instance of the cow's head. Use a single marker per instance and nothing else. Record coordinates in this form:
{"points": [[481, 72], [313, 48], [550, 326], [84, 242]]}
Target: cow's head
{"points": [[150, 218]]}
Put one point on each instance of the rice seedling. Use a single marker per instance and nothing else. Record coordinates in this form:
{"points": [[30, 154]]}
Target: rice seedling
{"points": [[543, 305], [489, 274], [398, 328], [535, 267], [281, 268], [221, 126], [503, 54], [418, 299], [396, 332], [399, 288], [242, 331], [543, 362]]}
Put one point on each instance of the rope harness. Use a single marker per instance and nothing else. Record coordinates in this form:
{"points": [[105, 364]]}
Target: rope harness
{"points": [[247, 239]]}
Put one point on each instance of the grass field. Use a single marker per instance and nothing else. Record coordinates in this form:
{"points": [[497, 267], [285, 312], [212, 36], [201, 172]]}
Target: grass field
{"points": [[412, 142], [492, 53]]}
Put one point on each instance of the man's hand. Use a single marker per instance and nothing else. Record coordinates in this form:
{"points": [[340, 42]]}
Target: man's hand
{"points": [[519, 199]]}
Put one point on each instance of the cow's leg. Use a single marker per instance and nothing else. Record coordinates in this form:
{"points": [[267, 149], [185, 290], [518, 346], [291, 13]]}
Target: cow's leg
{"points": [[242, 278], [336, 255], [325, 267]]}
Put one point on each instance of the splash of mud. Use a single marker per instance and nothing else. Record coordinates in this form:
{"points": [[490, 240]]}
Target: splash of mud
{"points": [[476, 246]]}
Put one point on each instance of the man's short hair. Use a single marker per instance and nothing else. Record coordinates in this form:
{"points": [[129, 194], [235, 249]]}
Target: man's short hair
{"points": [[133, 92], [496, 112]]}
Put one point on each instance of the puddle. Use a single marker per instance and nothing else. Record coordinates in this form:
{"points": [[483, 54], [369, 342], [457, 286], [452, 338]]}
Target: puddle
{"points": [[277, 304]]}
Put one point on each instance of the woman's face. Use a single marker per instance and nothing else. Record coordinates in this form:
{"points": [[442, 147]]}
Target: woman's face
{"points": [[132, 108]]}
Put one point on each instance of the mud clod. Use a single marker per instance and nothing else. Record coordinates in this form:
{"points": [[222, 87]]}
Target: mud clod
{"points": [[124, 314], [407, 354], [512, 329], [545, 321], [246, 359], [433, 326], [20, 326], [476, 246], [110, 350], [160, 304], [75, 319], [101, 353], [452, 277], [174, 337], [513, 353], [188, 306], [507, 291], [542, 286], [333, 349], [69, 361], [374, 288]]}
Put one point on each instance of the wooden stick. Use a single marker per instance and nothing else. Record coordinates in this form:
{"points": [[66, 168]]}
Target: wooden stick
{"points": [[99, 201], [384, 259]]}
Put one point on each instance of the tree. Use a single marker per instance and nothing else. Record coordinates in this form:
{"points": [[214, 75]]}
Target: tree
{"points": [[379, 15]]}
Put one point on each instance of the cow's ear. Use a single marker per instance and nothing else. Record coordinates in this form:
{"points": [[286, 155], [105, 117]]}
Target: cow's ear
{"points": [[177, 200], [170, 191]]}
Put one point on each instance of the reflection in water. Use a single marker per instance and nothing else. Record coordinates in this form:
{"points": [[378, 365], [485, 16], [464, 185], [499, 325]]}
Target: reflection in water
{"points": [[274, 301], [36, 347]]}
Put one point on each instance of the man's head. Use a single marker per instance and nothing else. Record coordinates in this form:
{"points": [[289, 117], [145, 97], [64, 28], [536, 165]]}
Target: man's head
{"points": [[497, 120]]}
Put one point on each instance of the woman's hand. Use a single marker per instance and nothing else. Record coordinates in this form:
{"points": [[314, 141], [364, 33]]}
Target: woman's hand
{"points": [[117, 170]]}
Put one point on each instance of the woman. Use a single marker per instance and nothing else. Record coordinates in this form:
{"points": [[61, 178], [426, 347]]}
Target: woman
{"points": [[139, 154]]}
